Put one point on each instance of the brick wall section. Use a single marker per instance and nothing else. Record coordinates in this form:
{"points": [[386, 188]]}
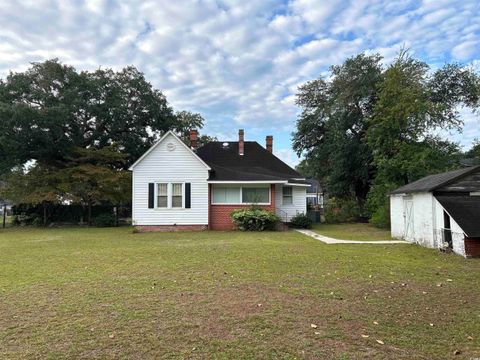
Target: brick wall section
{"points": [[170, 228], [219, 215], [472, 247]]}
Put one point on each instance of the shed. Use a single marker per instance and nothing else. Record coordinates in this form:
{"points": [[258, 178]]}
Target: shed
{"points": [[440, 211]]}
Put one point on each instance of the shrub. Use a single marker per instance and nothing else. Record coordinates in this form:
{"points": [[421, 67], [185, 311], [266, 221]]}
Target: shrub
{"points": [[37, 221], [301, 221], [23, 219], [341, 210], [381, 217], [105, 220], [378, 204], [254, 219]]}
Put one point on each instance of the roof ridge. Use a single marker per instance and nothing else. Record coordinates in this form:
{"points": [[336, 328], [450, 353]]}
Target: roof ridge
{"points": [[422, 183]]}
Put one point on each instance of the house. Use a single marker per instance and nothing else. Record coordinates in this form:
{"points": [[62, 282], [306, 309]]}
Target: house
{"points": [[439, 211], [176, 187], [314, 194]]}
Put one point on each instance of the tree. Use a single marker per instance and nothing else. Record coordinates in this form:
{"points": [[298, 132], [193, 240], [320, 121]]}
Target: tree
{"points": [[37, 185], [333, 123], [69, 136], [95, 176], [186, 121], [51, 109], [474, 152], [411, 104], [367, 130]]}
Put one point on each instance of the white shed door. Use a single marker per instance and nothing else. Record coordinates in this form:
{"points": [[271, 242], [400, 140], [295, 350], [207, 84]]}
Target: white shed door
{"points": [[408, 214]]}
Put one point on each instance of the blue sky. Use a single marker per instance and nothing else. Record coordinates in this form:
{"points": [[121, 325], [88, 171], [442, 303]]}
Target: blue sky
{"points": [[239, 63]]}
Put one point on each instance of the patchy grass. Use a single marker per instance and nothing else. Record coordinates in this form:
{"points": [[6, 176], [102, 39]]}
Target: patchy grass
{"points": [[109, 293], [352, 231]]}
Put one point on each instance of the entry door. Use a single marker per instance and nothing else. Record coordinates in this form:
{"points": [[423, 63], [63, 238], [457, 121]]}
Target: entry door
{"points": [[408, 206]]}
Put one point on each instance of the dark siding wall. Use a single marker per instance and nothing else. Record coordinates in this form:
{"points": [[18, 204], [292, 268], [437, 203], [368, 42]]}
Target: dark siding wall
{"points": [[467, 184]]}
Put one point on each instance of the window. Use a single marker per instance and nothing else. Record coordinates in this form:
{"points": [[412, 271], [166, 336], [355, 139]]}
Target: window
{"points": [[177, 195], [162, 195], [170, 195], [222, 194], [287, 195], [226, 195], [256, 195]]}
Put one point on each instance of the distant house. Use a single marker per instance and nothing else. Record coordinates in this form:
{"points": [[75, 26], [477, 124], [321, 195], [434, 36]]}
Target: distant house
{"points": [[314, 194], [441, 210], [5, 204], [176, 187]]}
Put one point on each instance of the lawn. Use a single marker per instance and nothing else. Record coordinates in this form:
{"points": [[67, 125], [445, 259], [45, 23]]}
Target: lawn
{"points": [[109, 293], [352, 231]]}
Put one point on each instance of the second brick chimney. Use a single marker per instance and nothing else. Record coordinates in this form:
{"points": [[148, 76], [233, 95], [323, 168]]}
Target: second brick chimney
{"points": [[269, 143], [193, 139], [241, 143]]}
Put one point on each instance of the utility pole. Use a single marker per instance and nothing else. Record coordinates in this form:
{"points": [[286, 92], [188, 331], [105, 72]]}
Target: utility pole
{"points": [[4, 214]]}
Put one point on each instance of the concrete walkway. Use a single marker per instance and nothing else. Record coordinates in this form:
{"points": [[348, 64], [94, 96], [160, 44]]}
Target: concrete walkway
{"points": [[329, 240]]}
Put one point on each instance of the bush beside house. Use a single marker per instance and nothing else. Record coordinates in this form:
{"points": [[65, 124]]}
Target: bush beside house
{"points": [[254, 219], [301, 221]]}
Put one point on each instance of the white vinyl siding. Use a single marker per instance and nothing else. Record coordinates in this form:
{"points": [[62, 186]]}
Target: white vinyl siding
{"points": [[298, 205], [178, 166]]}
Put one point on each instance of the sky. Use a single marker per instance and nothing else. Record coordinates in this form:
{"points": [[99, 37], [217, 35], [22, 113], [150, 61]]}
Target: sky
{"points": [[239, 63]]}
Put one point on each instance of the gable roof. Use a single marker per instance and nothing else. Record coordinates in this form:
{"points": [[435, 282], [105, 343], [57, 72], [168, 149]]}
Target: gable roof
{"points": [[159, 142], [257, 163], [465, 210], [432, 182]]}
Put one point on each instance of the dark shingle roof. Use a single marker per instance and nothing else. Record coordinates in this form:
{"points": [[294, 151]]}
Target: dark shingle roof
{"points": [[255, 165], [465, 210], [432, 182]]}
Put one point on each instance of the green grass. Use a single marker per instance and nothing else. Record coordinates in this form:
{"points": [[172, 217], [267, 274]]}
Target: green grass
{"points": [[109, 293], [352, 231]]}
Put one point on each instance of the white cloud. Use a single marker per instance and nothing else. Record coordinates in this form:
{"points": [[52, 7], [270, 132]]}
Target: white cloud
{"points": [[239, 63]]}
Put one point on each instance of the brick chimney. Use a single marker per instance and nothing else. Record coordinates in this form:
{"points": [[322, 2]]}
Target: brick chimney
{"points": [[241, 143], [193, 139], [269, 143]]}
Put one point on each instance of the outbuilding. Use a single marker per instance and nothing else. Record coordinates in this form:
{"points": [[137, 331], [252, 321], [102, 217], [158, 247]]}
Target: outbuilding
{"points": [[440, 211]]}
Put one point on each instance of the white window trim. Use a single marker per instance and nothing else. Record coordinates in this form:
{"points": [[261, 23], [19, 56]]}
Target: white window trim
{"points": [[169, 195], [241, 196], [289, 196]]}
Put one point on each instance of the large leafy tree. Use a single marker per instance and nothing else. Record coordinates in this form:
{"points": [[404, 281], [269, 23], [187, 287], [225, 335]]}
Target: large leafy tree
{"points": [[51, 108], [332, 125], [411, 105], [367, 129], [69, 136], [94, 176]]}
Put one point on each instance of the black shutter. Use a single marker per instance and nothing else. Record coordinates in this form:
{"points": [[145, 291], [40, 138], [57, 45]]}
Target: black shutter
{"points": [[151, 193], [188, 195]]}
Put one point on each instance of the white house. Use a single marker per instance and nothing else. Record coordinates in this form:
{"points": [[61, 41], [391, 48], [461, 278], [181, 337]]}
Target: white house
{"points": [[314, 194], [176, 187], [441, 210]]}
